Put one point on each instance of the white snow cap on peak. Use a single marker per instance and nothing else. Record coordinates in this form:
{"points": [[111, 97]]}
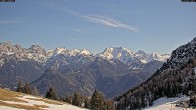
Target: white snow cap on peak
{"points": [[59, 50], [85, 52], [73, 52], [69, 52], [155, 55], [116, 53], [117, 50], [124, 54], [158, 57], [79, 52]]}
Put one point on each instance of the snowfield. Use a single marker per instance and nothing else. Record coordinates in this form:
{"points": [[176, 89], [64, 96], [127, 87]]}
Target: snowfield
{"points": [[40, 102], [9, 108], [168, 104]]}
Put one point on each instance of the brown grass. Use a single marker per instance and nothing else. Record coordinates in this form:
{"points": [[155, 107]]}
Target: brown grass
{"points": [[46, 101], [27, 107], [41, 106], [6, 95]]}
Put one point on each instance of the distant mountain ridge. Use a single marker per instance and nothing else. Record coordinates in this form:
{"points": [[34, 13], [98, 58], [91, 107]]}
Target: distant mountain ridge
{"points": [[36, 51], [69, 70], [134, 60], [124, 55]]}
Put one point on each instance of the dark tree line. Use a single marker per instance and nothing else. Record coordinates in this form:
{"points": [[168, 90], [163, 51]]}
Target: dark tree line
{"points": [[172, 82], [51, 94], [96, 102], [25, 88]]}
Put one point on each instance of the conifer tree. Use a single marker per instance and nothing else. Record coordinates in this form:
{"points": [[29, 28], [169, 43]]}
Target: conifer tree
{"points": [[110, 105], [35, 91], [27, 89], [77, 99], [86, 102], [97, 101], [20, 87], [51, 94], [68, 99], [23, 89]]}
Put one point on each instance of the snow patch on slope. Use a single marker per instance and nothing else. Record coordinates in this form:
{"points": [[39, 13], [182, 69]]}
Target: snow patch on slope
{"points": [[31, 102], [167, 104], [68, 52], [9, 108]]}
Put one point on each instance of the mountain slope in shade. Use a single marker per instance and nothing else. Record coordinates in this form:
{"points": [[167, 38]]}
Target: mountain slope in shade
{"points": [[13, 72], [110, 78]]}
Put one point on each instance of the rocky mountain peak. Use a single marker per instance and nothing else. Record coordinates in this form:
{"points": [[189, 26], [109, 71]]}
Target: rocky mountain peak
{"points": [[9, 48], [141, 52], [85, 52], [60, 50], [117, 50], [116, 53], [68, 52], [36, 49], [128, 56]]}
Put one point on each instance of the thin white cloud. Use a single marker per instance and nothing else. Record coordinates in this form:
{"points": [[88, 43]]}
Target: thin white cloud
{"points": [[63, 9], [78, 30], [68, 10], [109, 22]]}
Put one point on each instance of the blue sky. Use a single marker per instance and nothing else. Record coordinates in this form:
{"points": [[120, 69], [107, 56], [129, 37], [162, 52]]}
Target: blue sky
{"points": [[149, 25]]}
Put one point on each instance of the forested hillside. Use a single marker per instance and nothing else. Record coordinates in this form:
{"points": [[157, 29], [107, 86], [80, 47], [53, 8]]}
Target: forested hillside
{"points": [[176, 77]]}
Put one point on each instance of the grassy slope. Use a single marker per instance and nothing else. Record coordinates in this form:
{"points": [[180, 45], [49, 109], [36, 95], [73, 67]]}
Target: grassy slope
{"points": [[24, 101]]}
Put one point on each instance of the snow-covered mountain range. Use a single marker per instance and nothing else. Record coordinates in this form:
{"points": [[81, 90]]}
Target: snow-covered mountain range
{"points": [[73, 57], [126, 55], [76, 68], [37, 53]]}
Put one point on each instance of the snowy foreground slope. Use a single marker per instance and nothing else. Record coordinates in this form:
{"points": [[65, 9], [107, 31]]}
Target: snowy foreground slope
{"points": [[168, 104], [16, 101]]}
